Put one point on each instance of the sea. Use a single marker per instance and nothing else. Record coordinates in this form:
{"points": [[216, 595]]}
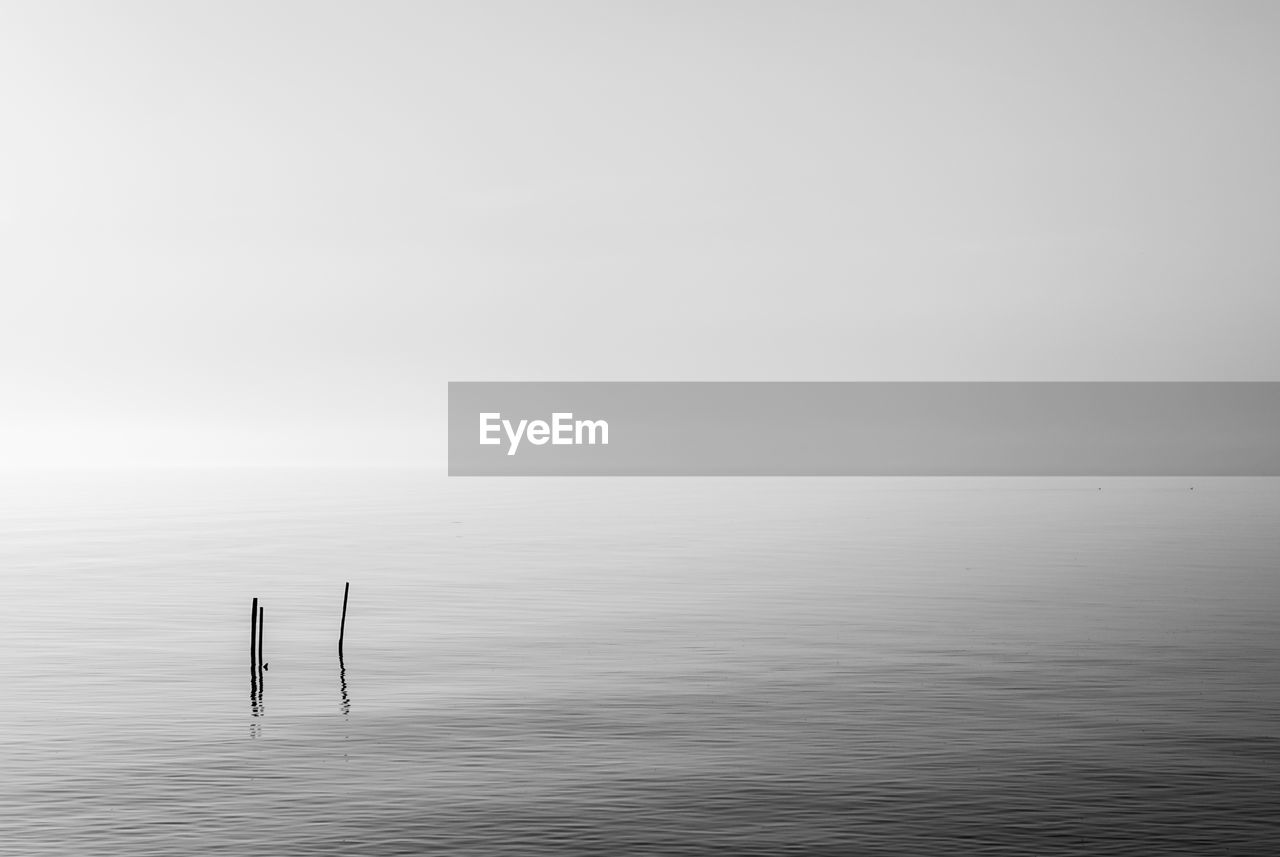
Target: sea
{"points": [[645, 666]]}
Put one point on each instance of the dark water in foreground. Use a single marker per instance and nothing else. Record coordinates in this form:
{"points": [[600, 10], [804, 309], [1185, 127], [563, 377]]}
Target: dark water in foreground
{"points": [[639, 666]]}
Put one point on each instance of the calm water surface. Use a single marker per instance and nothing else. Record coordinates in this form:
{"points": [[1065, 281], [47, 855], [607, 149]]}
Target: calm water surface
{"points": [[616, 667]]}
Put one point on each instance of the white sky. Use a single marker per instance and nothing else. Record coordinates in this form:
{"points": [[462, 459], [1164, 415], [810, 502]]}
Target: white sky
{"points": [[272, 231]]}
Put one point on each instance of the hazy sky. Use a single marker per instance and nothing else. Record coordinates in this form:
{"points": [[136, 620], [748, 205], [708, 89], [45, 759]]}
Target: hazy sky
{"points": [[258, 231]]}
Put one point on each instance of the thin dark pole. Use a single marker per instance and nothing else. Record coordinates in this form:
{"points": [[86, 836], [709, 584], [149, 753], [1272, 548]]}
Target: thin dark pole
{"points": [[262, 627], [342, 627], [254, 690]]}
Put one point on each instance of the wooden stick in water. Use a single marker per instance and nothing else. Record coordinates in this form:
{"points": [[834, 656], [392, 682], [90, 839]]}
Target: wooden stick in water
{"points": [[342, 627], [255, 686]]}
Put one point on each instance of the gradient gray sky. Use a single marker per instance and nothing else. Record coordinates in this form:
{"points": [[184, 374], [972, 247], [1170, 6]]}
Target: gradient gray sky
{"points": [[272, 231]]}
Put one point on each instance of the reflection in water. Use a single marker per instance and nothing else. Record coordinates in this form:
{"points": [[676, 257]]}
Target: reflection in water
{"points": [[342, 683]]}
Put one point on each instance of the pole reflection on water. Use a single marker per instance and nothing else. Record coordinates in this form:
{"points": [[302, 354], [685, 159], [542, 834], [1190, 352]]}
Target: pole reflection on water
{"points": [[345, 705]]}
